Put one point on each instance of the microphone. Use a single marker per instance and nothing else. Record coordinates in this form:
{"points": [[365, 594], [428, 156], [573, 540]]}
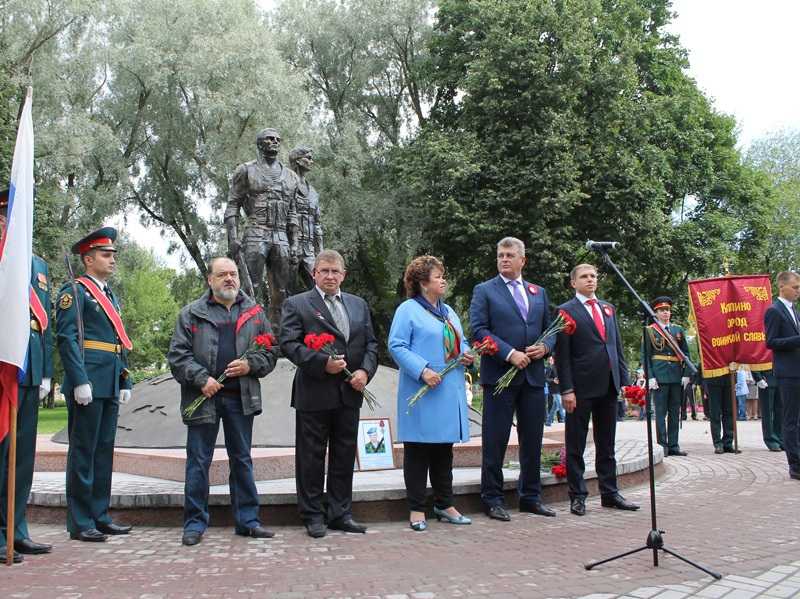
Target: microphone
{"points": [[602, 246]]}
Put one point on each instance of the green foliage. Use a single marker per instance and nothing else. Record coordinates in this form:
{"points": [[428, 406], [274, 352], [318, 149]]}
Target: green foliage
{"points": [[148, 308], [773, 243], [558, 122]]}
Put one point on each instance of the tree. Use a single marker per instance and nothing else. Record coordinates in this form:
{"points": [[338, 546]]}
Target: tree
{"points": [[776, 157], [148, 308], [359, 61], [558, 122]]}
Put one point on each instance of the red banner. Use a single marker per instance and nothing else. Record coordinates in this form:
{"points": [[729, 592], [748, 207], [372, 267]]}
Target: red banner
{"points": [[729, 313]]}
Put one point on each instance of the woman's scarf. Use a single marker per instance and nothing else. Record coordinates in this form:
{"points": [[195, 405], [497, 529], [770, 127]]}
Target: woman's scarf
{"points": [[452, 342]]}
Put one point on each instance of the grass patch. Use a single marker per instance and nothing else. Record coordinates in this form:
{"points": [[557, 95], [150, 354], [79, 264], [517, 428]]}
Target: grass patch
{"points": [[51, 421]]}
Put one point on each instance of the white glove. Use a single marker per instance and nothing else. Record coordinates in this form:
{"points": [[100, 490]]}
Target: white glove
{"points": [[684, 381], [124, 396], [44, 388], [653, 383], [83, 394], [762, 384]]}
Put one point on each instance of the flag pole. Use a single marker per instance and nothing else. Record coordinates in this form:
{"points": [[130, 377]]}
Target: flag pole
{"points": [[12, 484]]}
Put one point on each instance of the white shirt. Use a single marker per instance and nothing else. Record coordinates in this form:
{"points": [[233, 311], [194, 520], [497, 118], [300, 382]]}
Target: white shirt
{"points": [[521, 289], [789, 306]]}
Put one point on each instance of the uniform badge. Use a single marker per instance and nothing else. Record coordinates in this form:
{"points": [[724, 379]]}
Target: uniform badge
{"points": [[532, 289], [608, 311], [65, 301], [42, 281]]}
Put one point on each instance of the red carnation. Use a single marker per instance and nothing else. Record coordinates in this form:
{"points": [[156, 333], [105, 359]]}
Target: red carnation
{"points": [[265, 340]]}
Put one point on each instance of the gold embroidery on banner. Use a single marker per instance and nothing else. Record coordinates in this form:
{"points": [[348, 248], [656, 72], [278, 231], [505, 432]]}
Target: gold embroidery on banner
{"points": [[760, 293], [706, 298]]}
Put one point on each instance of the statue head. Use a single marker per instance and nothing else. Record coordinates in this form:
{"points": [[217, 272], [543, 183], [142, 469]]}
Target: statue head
{"points": [[268, 142], [301, 160]]}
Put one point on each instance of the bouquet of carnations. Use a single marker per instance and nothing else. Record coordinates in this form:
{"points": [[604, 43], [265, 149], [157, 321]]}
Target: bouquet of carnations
{"points": [[562, 322], [324, 342], [265, 340], [636, 395], [560, 469], [484, 346]]}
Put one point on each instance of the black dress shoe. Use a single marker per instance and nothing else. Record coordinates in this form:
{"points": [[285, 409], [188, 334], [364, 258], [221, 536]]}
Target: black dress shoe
{"points": [[729, 449], [677, 452], [191, 537], [89, 536], [257, 532], [775, 448], [348, 525], [17, 557], [718, 450], [618, 502], [29, 547], [537, 507], [578, 506], [497, 512], [114, 529], [316, 530], [794, 474]]}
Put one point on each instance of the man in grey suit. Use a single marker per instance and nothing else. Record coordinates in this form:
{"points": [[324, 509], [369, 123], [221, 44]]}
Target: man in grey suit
{"points": [[326, 400]]}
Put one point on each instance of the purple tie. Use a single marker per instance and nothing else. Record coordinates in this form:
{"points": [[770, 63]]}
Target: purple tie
{"points": [[523, 309]]}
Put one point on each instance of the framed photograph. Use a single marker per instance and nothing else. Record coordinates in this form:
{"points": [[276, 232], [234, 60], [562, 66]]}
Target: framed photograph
{"points": [[375, 448]]}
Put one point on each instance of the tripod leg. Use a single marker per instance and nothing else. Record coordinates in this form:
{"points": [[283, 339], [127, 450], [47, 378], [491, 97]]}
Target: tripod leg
{"points": [[712, 573], [591, 565]]}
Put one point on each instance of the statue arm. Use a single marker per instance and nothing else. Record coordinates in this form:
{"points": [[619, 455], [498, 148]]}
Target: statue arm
{"points": [[236, 198], [318, 246]]}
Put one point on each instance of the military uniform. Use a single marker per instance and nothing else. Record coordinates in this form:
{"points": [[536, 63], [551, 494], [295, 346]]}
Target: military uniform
{"points": [[769, 399], [720, 411], [37, 379], [668, 369], [102, 363]]}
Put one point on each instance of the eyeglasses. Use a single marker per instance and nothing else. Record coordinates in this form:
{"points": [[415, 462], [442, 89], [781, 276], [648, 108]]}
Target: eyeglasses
{"points": [[329, 273]]}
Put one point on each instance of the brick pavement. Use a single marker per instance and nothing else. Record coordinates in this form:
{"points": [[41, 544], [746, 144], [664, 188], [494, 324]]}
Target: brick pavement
{"points": [[735, 514]]}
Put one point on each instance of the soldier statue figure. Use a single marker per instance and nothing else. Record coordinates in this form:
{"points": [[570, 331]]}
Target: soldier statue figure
{"points": [[267, 193], [309, 218]]}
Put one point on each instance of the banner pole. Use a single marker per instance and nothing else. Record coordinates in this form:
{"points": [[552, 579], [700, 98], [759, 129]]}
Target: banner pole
{"points": [[735, 413]]}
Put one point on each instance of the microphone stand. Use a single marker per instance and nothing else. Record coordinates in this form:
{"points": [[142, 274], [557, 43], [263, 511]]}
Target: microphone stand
{"points": [[655, 540]]}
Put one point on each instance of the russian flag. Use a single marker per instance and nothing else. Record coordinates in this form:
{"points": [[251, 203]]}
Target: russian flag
{"points": [[16, 248]]}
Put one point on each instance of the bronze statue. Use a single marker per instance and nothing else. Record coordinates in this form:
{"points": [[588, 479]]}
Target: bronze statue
{"points": [[309, 218], [267, 193]]}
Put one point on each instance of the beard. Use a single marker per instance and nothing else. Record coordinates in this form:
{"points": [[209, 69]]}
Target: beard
{"points": [[226, 294]]}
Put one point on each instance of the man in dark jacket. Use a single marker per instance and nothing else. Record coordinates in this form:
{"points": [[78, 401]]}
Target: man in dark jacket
{"points": [[211, 334], [326, 400]]}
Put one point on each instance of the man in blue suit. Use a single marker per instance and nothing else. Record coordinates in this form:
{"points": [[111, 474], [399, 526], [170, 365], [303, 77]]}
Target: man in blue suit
{"points": [[514, 313], [783, 338], [592, 371], [34, 387], [94, 351]]}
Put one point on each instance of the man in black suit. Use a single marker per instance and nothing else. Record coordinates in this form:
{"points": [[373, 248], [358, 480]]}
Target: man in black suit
{"points": [[327, 402], [783, 338], [592, 370], [514, 313]]}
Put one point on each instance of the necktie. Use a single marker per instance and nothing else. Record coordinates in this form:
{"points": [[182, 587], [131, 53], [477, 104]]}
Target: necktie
{"points": [[107, 291], [598, 318], [523, 309], [338, 317]]}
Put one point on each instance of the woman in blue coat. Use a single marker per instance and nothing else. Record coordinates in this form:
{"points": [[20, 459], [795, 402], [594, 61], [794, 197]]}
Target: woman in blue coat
{"points": [[425, 336]]}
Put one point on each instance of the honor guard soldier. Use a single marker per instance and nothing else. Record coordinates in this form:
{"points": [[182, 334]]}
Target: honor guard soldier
{"points": [[668, 375], [93, 347], [34, 387]]}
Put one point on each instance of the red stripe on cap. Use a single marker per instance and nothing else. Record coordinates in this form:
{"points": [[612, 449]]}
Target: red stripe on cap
{"points": [[82, 249]]}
